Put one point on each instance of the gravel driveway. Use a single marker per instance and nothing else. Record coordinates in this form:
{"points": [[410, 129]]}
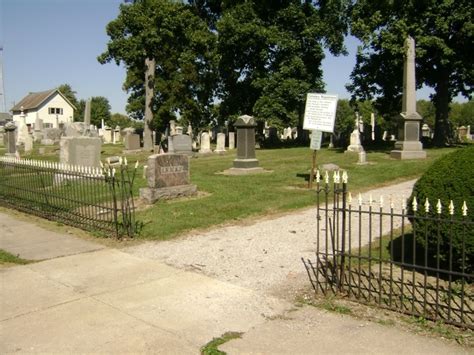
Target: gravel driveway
{"points": [[265, 255]]}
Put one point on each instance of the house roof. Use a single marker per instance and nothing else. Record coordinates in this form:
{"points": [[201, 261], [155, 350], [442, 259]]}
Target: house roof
{"points": [[35, 99]]}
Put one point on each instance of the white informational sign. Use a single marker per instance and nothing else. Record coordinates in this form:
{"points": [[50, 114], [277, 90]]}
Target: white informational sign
{"points": [[320, 112], [316, 138]]}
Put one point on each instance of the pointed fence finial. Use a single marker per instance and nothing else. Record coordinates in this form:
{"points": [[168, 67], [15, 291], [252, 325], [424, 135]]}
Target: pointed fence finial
{"points": [[125, 162], [136, 164], [392, 206], [438, 207], [464, 209], [326, 177], [404, 203], [318, 176], [370, 200], [427, 205], [381, 201], [414, 204], [344, 177], [359, 199], [336, 177], [451, 207], [349, 198], [120, 160]]}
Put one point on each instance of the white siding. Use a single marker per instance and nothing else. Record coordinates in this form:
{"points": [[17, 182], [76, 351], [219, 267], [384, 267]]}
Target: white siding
{"points": [[56, 101]]}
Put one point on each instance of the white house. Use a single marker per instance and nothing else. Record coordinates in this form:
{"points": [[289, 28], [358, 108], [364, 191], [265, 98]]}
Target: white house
{"points": [[50, 106]]}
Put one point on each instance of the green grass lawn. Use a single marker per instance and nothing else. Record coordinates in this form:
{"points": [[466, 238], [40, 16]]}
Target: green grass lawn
{"points": [[230, 198]]}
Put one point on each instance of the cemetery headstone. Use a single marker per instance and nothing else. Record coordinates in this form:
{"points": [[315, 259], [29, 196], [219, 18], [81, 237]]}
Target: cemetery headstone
{"points": [[355, 145], [87, 113], [132, 141], [28, 143], [84, 151], [108, 135], [220, 147], [10, 139], [2, 135], [182, 144], [408, 145], [205, 143], [231, 140], [167, 177], [246, 160], [462, 133]]}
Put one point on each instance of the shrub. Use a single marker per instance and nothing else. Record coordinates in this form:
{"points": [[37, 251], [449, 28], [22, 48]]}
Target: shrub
{"points": [[450, 178]]}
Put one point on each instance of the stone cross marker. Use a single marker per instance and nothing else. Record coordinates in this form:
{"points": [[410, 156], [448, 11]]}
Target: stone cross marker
{"points": [[408, 145]]}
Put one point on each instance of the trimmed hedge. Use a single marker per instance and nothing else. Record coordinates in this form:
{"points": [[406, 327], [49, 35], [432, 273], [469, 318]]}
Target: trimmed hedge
{"points": [[449, 178]]}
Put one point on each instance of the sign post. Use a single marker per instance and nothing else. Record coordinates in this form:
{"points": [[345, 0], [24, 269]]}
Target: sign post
{"points": [[319, 116]]}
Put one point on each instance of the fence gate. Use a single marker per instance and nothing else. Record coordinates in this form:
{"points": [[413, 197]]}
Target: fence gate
{"points": [[95, 199], [368, 250]]}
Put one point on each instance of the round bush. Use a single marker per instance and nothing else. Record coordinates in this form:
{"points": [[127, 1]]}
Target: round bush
{"points": [[449, 178]]}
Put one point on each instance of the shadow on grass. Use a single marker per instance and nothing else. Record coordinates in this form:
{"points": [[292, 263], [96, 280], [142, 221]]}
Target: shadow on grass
{"points": [[411, 255]]}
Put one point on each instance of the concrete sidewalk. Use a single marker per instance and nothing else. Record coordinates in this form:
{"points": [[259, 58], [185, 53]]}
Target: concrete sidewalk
{"points": [[100, 300], [31, 242]]}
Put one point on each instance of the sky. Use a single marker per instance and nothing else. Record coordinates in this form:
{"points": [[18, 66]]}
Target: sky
{"points": [[47, 43]]}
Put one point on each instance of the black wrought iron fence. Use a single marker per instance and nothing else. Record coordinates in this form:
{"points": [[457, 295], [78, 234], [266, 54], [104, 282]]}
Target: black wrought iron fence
{"points": [[370, 250], [94, 199]]}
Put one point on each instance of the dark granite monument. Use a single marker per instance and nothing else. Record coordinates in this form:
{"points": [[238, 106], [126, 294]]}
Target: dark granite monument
{"points": [[10, 139], [246, 162], [167, 177], [408, 145]]}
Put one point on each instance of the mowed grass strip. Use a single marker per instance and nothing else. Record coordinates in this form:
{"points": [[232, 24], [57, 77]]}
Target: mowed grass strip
{"points": [[232, 198], [228, 199]]}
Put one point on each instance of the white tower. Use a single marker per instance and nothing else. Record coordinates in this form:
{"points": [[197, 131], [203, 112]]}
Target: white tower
{"points": [[3, 105]]}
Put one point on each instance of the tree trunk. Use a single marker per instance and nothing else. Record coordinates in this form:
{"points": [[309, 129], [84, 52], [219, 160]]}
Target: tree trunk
{"points": [[441, 101], [150, 64]]}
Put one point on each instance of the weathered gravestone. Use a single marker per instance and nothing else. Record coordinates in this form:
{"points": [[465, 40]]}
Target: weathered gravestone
{"points": [[182, 144], [132, 141], [167, 177], [51, 136], [38, 134], [205, 143], [231, 140], [28, 142], [408, 145], [220, 147], [355, 145], [10, 139], [84, 151], [2, 135]]}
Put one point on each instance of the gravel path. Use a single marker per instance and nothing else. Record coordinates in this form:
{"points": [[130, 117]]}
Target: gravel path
{"points": [[266, 255]]}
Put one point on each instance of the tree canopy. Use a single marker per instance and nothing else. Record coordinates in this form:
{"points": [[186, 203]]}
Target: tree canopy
{"points": [[181, 46], [442, 30], [249, 57]]}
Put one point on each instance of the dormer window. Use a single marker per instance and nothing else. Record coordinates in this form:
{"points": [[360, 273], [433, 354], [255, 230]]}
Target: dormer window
{"points": [[55, 111]]}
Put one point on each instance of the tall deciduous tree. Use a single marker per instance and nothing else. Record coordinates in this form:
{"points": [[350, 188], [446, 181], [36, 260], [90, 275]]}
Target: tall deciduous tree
{"points": [[270, 53], [70, 94], [176, 46], [442, 30]]}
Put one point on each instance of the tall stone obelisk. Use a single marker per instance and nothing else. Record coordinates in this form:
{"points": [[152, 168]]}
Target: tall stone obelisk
{"points": [[408, 145]]}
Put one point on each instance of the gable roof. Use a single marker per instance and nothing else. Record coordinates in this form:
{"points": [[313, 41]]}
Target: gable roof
{"points": [[35, 99]]}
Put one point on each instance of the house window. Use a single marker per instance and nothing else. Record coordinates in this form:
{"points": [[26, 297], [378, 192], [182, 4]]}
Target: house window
{"points": [[55, 111]]}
